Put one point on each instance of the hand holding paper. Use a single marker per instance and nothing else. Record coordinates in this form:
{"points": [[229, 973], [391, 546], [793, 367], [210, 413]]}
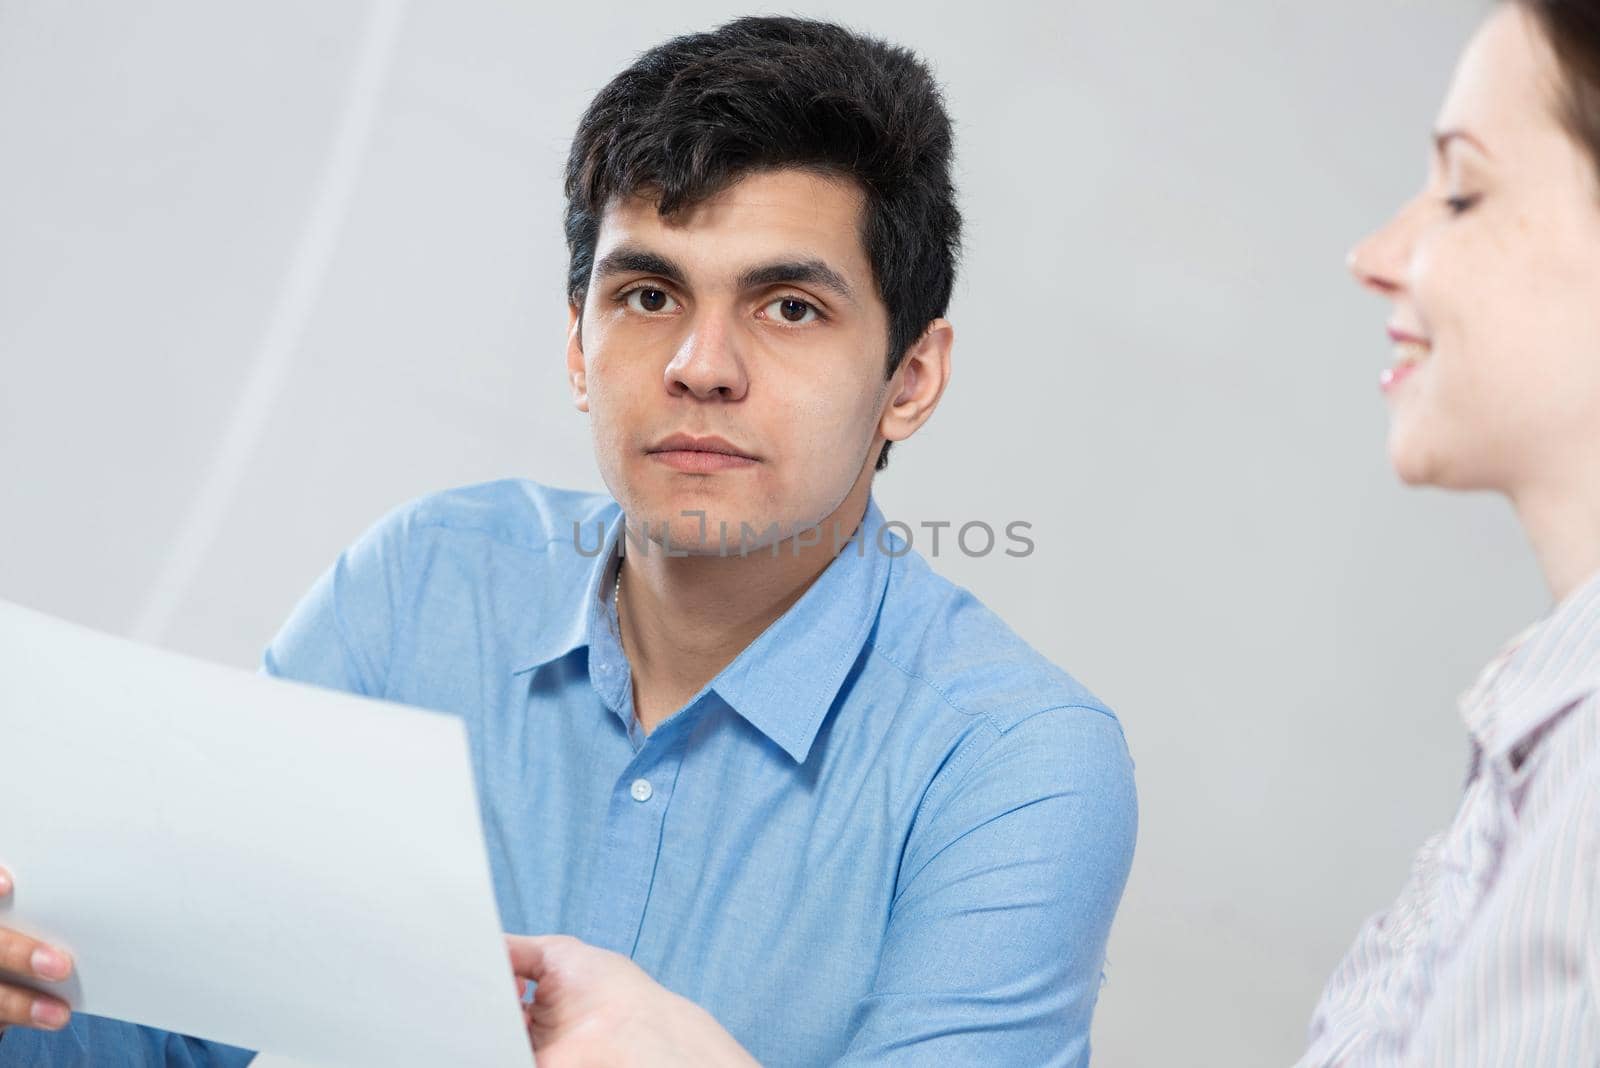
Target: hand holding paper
{"points": [[22, 955], [593, 1006], [257, 862]]}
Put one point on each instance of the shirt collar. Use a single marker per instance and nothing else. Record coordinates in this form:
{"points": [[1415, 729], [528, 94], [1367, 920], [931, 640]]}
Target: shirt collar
{"points": [[576, 605], [786, 680], [1538, 674]]}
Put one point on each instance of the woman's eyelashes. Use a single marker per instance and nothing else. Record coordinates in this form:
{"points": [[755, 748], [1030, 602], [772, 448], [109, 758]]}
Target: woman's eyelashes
{"points": [[787, 310], [1461, 204]]}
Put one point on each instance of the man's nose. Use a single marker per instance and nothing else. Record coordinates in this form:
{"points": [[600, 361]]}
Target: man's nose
{"points": [[708, 364]]}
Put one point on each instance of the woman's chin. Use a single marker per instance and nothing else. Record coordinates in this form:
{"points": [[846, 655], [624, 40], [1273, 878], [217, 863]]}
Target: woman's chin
{"points": [[1413, 462], [1418, 462]]}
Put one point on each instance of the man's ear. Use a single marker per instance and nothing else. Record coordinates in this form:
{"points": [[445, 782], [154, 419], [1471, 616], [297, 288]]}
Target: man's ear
{"points": [[918, 382], [577, 373]]}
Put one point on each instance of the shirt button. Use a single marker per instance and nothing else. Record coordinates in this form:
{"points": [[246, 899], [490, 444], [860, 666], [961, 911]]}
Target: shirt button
{"points": [[641, 790]]}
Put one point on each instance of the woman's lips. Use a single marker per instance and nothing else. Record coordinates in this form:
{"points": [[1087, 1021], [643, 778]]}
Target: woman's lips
{"points": [[1391, 377], [701, 462], [1409, 352]]}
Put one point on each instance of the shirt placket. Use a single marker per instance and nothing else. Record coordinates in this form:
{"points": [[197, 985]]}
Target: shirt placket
{"points": [[632, 840]]}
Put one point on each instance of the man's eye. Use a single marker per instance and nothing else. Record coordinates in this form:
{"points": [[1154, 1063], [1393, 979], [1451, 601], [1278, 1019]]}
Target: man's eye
{"points": [[791, 310], [648, 300]]}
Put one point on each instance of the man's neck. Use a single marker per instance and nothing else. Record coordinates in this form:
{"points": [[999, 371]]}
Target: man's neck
{"points": [[685, 618]]}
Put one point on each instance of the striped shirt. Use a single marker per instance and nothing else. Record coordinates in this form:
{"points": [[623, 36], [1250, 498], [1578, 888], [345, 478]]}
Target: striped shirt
{"points": [[1491, 955]]}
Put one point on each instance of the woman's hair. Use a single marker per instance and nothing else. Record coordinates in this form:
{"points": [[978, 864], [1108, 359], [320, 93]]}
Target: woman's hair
{"points": [[693, 115], [1573, 30]]}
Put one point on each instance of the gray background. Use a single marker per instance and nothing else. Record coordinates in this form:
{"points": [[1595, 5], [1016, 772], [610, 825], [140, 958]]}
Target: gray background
{"points": [[266, 272]]}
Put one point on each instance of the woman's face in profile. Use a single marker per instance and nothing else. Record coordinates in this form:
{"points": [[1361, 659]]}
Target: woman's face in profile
{"points": [[1493, 274]]}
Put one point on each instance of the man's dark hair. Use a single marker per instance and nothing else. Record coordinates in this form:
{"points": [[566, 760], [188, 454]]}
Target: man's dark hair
{"points": [[696, 113]]}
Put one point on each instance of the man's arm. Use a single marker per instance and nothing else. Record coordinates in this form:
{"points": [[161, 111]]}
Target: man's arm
{"points": [[339, 634], [1011, 877], [995, 944], [98, 1042]]}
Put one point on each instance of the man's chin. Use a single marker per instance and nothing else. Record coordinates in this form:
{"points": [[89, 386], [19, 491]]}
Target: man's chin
{"points": [[694, 530]]}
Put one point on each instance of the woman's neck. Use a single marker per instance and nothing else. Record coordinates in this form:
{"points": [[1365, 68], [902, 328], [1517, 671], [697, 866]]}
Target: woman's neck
{"points": [[1563, 526]]}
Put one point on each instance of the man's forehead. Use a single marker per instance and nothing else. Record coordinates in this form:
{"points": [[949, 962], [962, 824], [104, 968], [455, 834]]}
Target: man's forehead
{"points": [[786, 215]]}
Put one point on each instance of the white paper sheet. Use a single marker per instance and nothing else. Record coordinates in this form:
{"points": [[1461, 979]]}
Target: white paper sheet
{"points": [[263, 863]]}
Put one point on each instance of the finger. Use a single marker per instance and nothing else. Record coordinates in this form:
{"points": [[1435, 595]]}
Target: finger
{"points": [[29, 956], [5, 882], [27, 1009], [528, 958]]}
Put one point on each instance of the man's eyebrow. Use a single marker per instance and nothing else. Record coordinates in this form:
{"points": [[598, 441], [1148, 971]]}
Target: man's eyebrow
{"points": [[627, 259], [798, 272], [1442, 138]]}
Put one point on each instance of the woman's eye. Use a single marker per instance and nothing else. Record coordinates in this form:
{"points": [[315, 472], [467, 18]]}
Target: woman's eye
{"points": [[791, 310], [1458, 205], [648, 300]]}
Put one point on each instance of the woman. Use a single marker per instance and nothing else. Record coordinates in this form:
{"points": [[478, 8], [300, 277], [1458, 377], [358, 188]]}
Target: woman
{"points": [[1491, 955]]}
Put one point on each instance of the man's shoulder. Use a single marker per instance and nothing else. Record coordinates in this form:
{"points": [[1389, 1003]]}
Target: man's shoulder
{"points": [[1018, 727], [944, 636], [518, 513]]}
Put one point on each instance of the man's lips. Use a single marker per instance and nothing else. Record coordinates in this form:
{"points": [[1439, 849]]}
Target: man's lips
{"points": [[700, 455], [707, 443], [699, 462]]}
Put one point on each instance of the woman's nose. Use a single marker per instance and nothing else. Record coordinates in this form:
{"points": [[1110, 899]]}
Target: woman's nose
{"points": [[1378, 261]]}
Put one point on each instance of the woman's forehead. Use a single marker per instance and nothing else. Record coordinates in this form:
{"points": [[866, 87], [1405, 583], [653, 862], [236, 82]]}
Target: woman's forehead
{"points": [[1506, 87]]}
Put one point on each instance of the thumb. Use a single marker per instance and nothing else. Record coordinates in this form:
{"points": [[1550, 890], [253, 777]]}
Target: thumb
{"points": [[531, 955]]}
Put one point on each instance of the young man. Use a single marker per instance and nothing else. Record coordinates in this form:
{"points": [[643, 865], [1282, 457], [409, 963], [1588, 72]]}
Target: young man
{"points": [[785, 795]]}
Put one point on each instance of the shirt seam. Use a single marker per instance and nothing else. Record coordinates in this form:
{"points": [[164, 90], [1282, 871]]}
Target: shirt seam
{"points": [[371, 678], [983, 714], [410, 595], [967, 756], [440, 524]]}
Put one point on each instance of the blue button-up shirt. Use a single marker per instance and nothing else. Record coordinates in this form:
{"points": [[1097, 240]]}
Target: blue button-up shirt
{"points": [[889, 832]]}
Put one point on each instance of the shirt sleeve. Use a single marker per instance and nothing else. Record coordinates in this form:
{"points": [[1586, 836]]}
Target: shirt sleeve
{"points": [[341, 632], [1012, 874], [99, 1042]]}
